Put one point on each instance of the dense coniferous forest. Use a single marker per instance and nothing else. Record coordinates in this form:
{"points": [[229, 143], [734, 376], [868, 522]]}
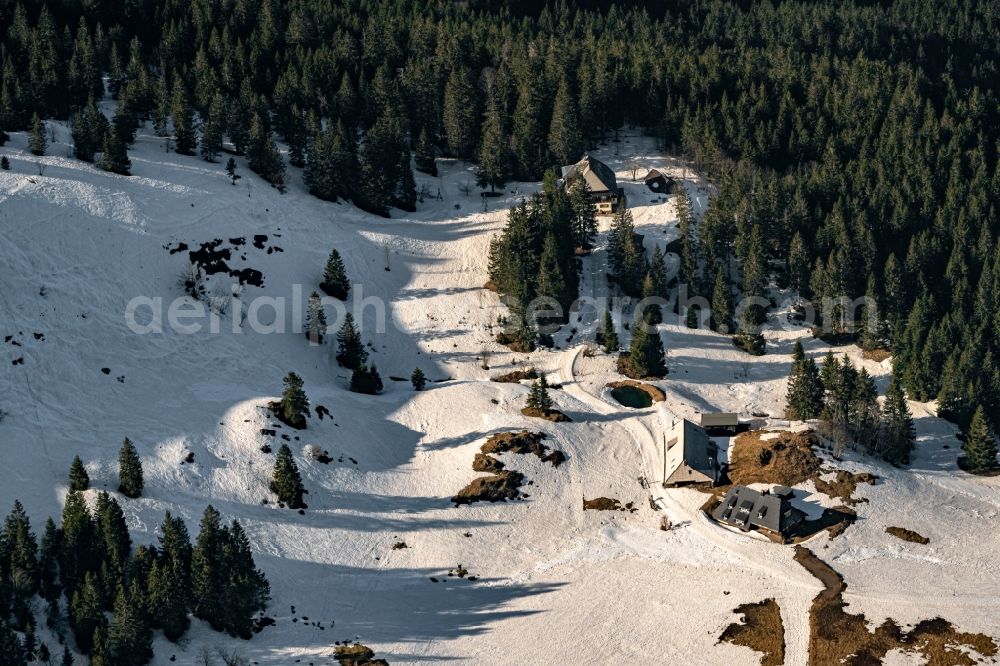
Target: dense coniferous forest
{"points": [[859, 140]]}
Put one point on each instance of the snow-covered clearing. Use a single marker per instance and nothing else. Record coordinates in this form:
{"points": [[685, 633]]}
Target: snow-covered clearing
{"points": [[555, 583]]}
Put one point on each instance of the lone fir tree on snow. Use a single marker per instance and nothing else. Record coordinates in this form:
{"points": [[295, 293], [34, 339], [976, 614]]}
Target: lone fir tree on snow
{"points": [[37, 142], [418, 379], [607, 337], [130, 481], [351, 352], [645, 357], [286, 482], [315, 320], [335, 282], [294, 406], [231, 171], [538, 396], [79, 480], [980, 444]]}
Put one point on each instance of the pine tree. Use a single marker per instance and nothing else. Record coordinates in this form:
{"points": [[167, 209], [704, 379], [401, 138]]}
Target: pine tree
{"points": [[459, 113], [100, 653], [625, 254], [4, 163], [185, 138], [351, 352], [406, 195], [115, 158], [78, 477], [335, 282], [112, 533], [424, 154], [37, 141], [167, 600], [798, 265], [286, 482], [688, 274], [48, 561], [315, 319], [322, 176], [294, 403], [11, 650], [262, 154], [231, 171], [67, 658], [538, 396], [551, 283], [584, 214], [652, 313], [722, 308], [211, 131], [607, 336], [130, 480], [805, 390], [130, 639], [646, 357], [418, 380], [980, 444], [78, 552], [897, 425]]}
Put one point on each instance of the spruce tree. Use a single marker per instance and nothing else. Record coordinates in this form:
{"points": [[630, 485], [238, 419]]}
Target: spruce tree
{"points": [[584, 214], [86, 612], [607, 336], [212, 129], [459, 113], [551, 283], [565, 142], [185, 138], [424, 154], [406, 194], [538, 396], [492, 165], [351, 352], [286, 482], [167, 599], [130, 480], [315, 320], [322, 176], [722, 308], [11, 649], [4, 163], [67, 657], [897, 425], [208, 574], [48, 561], [247, 590], [100, 653], [335, 282], [78, 548], [366, 380], [115, 158], [37, 141], [805, 390], [646, 357], [980, 444], [130, 639], [78, 477], [418, 379], [231, 171], [262, 154], [294, 403], [652, 313]]}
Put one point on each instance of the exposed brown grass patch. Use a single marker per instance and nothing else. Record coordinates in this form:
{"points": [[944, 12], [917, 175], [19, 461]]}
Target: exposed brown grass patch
{"points": [[877, 355], [839, 637], [553, 415], [654, 393], [908, 535], [485, 463], [787, 459], [516, 376], [760, 629], [607, 504], [844, 484], [357, 655], [500, 487]]}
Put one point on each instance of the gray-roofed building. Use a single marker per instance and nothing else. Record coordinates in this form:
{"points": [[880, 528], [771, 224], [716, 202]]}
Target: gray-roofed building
{"points": [[604, 190], [691, 456], [770, 513], [658, 181]]}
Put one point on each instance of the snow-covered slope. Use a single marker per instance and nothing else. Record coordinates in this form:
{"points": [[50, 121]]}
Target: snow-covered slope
{"points": [[554, 583]]}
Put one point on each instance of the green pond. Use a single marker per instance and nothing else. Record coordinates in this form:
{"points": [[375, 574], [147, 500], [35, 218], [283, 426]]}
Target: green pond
{"points": [[630, 396]]}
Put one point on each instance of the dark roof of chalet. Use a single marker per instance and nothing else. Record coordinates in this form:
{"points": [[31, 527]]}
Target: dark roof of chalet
{"points": [[745, 508], [590, 164], [656, 173]]}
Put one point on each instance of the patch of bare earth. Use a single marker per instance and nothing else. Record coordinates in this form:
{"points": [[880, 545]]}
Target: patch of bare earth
{"points": [[654, 393], [877, 355], [760, 629], [839, 637], [357, 655], [504, 484], [787, 458], [607, 504], [844, 484], [516, 376], [553, 415], [908, 535]]}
